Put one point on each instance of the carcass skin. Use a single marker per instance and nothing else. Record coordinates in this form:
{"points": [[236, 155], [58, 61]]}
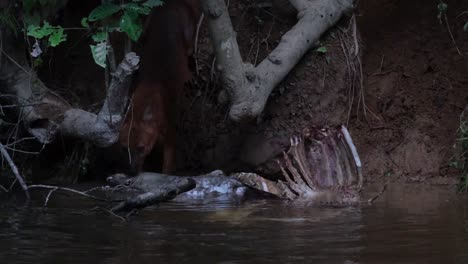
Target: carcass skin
{"points": [[321, 167]]}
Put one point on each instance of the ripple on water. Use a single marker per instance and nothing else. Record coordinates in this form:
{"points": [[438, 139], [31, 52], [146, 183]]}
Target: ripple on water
{"points": [[406, 225]]}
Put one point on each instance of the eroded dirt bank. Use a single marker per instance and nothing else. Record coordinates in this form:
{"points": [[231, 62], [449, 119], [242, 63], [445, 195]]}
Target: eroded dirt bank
{"points": [[414, 87], [416, 83]]}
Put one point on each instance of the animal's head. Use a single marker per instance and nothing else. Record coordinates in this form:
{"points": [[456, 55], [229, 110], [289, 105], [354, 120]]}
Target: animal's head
{"points": [[138, 141]]}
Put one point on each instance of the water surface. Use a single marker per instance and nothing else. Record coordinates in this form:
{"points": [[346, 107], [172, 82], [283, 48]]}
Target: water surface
{"points": [[408, 224]]}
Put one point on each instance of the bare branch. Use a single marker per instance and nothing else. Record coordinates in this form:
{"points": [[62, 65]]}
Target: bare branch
{"points": [[14, 169], [56, 188]]}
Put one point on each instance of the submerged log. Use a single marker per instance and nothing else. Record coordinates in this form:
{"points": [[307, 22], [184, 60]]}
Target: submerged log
{"points": [[149, 188], [165, 191]]}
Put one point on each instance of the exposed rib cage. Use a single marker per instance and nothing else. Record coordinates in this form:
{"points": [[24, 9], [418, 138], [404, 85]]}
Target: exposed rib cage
{"points": [[321, 163]]}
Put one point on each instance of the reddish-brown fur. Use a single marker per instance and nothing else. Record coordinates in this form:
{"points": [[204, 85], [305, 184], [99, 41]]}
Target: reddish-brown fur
{"points": [[164, 70]]}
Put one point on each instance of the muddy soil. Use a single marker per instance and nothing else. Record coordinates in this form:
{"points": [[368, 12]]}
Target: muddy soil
{"points": [[414, 91], [416, 84]]}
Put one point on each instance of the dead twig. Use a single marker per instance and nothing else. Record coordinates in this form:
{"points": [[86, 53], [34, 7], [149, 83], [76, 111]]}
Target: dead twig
{"points": [[382, 63], [19, 140], [382, 191], [22, 151], [48, 197], [109, 212], [12, 184], [55, 188], [14, 169], [3, 188], [265, 39], [451, 35]]}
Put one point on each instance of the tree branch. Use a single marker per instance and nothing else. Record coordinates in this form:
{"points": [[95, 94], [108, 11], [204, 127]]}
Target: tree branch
{"points": [[14, 169], [45, 114], [249, 87]]}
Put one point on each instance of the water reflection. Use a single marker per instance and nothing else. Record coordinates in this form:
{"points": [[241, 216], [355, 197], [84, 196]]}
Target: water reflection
{"points": [[406, 225]]}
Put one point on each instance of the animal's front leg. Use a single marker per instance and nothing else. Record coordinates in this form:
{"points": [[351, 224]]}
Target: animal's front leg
{"points": [[169, 158]]}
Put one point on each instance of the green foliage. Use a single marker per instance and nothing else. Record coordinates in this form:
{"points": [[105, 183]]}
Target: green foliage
{"points": [[57, 37], [110, 17], [153, 3], [321, 49], [130, 24], [84, 22], [442, 8], [55, 33], [136, 8], [100, 36], [99, 52], [103, 11]]}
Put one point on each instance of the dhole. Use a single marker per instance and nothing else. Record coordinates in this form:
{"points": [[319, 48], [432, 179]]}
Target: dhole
{"points": [[168, 42]]}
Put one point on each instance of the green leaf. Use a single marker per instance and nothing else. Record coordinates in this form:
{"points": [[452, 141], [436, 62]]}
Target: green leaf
{"points": [[153, 3], [322, 49], [134, 7], [57, 37], [465, 27], [99, 52], [130, 24], [40, 32], [442, 7], [84, 22], [103, 11], [100, 36]]}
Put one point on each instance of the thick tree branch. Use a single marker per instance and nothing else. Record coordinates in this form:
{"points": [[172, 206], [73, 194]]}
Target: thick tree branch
{"points": [[249, 87], [103, 129], [46, 114]]}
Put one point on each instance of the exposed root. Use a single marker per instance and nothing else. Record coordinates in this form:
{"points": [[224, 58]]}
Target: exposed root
{"points": [[352, 51], [451, 35], [195, 50]]}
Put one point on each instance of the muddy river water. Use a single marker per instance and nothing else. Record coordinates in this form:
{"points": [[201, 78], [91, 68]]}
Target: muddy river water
{"points": [[408, 224]]}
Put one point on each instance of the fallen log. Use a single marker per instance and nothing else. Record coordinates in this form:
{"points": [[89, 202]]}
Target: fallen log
{"points": [[164, 192], [215, 184]]}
